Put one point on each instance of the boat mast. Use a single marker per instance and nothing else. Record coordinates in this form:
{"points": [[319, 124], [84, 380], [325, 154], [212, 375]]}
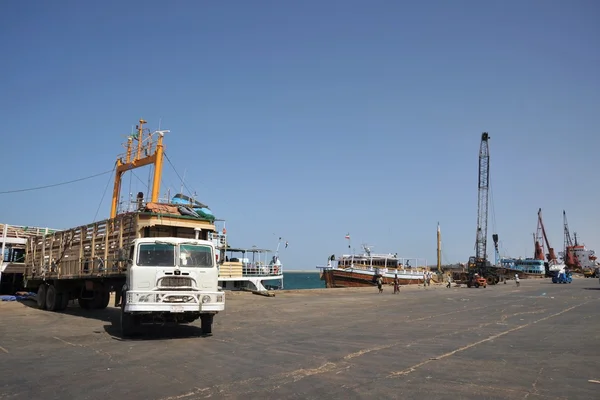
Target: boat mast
{"points": [[439, 249], [136, 161]]}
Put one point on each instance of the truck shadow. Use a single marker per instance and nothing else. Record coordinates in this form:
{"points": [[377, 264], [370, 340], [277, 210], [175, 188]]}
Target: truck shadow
{"points": [[112, 314], [156, 332]]}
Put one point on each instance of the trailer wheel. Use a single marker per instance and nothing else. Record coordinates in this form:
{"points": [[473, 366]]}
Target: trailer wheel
{"points": [[41, 297], [101, 299], [64, 301], [53, 299], [86, 304], [206, 320]]}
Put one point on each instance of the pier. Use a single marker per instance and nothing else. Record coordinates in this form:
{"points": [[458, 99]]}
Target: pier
{"points": [[537, 341]]}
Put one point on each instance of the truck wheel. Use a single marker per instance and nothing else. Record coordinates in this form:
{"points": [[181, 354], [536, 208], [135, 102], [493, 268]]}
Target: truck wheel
{"points": [[41, 297], [53, 299], [206, 321], [129, 323]]}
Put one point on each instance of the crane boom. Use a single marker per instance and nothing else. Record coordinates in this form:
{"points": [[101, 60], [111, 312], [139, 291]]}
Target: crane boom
{"points": [[541, 234], [482, 206], [569, 256]]}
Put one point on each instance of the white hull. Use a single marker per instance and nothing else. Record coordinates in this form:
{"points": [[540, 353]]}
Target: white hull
{"points": [[250, 282], [402, 274]]}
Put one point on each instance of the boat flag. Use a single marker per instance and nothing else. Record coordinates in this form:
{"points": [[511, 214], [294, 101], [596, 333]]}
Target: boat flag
{"points": [[348, 236]]}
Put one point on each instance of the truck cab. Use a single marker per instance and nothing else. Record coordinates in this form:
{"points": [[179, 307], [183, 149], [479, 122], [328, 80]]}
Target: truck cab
{"points": [[171, 279]]}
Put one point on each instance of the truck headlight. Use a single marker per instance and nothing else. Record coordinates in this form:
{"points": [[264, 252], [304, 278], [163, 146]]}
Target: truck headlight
{"points": [[205, 299]]}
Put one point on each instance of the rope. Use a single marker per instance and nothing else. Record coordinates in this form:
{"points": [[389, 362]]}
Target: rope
{"points": [[56, 184], [177, 173], [103, 194]]}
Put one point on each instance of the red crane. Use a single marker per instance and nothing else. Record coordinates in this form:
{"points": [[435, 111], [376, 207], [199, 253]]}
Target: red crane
{"points": [[569, 255], [540, 238]]}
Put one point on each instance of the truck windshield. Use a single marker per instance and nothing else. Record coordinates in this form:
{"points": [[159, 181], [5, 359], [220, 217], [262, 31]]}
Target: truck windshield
{"points": [[195, 256], [156, 255]]}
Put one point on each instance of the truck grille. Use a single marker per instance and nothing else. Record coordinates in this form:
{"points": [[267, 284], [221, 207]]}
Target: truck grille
{"points": [[175, 282]]}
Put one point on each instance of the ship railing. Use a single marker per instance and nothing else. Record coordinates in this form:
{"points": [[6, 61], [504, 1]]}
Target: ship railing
{"points": [[262, 270], [382, 270]]}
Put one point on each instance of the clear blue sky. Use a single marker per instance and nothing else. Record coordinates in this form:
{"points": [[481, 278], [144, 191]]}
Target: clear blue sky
{"points": [[312, 119]]}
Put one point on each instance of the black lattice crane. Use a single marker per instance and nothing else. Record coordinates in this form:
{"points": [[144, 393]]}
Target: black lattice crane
{"points": [[482, 205]]}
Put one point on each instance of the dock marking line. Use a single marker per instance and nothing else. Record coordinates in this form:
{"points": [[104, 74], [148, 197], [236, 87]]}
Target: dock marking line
{"points": [[496, 336]]}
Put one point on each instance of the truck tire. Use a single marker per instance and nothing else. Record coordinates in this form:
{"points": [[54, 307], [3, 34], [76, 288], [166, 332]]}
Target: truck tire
{"points": [[129, 323], [41, 297], [53, 299], [206, 321], [128, 326], [64, 301]]}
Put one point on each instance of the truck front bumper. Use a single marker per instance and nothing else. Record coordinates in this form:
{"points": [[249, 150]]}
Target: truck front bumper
{"points": [[174, 301]]}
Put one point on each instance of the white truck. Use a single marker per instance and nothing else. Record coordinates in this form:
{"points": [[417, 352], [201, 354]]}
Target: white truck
{"points": [[160, 264]]}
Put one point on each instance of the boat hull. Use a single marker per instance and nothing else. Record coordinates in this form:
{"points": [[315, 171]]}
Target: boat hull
{"points": [[341, 278]]}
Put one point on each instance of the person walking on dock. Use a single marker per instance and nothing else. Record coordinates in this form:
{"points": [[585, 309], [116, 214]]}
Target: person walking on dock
{"points": [[380, 284], [517, 280], [449, 280], [424, 278], [396, 284]]}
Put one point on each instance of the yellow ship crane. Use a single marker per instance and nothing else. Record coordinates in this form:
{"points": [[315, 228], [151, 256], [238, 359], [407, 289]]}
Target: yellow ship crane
{"points": [[147, 151]]}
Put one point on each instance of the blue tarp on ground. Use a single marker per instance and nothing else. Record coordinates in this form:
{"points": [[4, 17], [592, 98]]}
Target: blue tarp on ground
{"points": [[18, 296]]}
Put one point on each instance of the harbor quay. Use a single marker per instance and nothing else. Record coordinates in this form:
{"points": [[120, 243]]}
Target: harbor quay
{"points": [[536, 341]]}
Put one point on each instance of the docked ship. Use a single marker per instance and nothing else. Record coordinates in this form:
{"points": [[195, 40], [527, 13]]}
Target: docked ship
{"points": [[576, 256], [526, 268], [251, 268], [13, 239], [357, 270]]}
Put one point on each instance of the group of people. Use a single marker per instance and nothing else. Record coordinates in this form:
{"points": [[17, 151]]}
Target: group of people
{"points": [[427, 278], [427, 275], [396, 284]]}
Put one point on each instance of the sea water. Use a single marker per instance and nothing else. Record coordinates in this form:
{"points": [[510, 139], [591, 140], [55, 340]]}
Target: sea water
{"points": [[301, 280]]}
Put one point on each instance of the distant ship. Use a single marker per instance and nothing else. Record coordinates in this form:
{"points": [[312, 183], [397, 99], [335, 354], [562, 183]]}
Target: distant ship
{"points": [[526, 268], [576, 256], [358, 270]]}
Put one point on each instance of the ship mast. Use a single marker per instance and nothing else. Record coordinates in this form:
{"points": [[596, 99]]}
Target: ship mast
{"points": [[439, 249], [136, 160]]}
